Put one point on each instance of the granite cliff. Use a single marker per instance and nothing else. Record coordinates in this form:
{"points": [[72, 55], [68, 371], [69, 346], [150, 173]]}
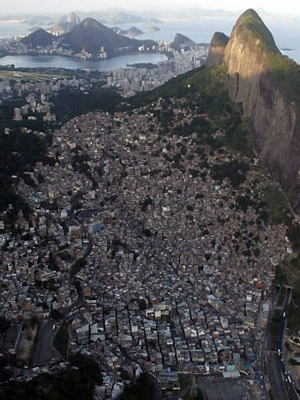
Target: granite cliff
{"points": [[266, 85], [217, 48]]}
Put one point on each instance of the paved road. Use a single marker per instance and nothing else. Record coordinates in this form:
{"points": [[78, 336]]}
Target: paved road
{"points": [[45, 353], [281, 384]]}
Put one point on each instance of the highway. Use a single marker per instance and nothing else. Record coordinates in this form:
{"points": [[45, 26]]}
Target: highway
{"points": [[282, 386], [45, 353]]}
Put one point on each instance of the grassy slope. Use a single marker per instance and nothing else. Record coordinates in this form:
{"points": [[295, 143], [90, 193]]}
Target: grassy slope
{"points": [[251, 27]]}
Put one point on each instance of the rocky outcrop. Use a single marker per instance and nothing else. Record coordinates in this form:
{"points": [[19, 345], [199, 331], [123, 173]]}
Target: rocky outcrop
{"points": [[69, 20], [72, 19], [180, 42], [216, 50], [256, 81], [65, 24]]}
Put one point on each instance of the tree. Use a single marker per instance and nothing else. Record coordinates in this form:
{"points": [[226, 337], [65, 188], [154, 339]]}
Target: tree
{"points": [[4, 324], [56, 314], [143, 388]]}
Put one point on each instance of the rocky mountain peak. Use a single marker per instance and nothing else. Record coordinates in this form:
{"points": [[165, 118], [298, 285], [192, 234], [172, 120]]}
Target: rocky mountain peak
{"points": [[251, 28], [217, 48]]}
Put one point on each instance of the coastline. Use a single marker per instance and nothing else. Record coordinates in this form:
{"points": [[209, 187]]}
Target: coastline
{"points": [[26, 61]]}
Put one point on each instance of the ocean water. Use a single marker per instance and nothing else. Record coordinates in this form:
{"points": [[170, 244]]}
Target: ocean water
{"points": [[71, 63], [10, 30], [286, 32]]}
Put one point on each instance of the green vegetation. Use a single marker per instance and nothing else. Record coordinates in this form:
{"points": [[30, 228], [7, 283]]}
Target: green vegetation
{"points": [[185, 381], [143, 388], [282, 71], [265, 368], [76, 267], [271, 395], [69, 103], [281, 297], [219, 39], [19, 151], [287, 75], [205, 89], [56, 314], [239, 136], [289, 273], [252, 27], [4, 324], [4, 373], [293, 312], [61, 340], [292, 361], [69, 385], [40, 37], [199, 395], [235, 171], [91, 35], [288, 346], [205, 81], [294, 236], [276, 205]]}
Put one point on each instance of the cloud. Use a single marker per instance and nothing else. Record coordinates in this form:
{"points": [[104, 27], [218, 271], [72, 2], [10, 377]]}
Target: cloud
{"points": [[288, 7]]}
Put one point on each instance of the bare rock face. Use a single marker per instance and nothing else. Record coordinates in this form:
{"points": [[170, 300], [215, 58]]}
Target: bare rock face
{"points": [[254, 82], [216, 50], [72, 19]]}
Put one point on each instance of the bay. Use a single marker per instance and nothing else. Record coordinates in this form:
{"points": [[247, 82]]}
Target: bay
{"points": [[21, 61], [285, 31], [8, 30]]}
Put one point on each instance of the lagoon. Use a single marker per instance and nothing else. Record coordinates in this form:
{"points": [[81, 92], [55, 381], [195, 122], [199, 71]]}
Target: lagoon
{"points": [[24, 61]]}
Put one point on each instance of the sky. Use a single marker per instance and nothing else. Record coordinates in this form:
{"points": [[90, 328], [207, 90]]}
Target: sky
{"points": [[287, 7]]}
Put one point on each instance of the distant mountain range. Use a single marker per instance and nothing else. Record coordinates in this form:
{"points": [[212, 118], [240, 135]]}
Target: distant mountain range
{"points": [[112, 17], [117, 17], [65, 24], [89, 35]]}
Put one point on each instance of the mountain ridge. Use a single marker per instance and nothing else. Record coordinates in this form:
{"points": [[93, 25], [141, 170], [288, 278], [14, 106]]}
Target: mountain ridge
{"points": [[39, 37], [90, 35], [266, 85]]}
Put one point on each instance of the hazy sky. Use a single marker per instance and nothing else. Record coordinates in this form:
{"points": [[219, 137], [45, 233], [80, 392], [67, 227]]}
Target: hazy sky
{"points": [[287, 7]]}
